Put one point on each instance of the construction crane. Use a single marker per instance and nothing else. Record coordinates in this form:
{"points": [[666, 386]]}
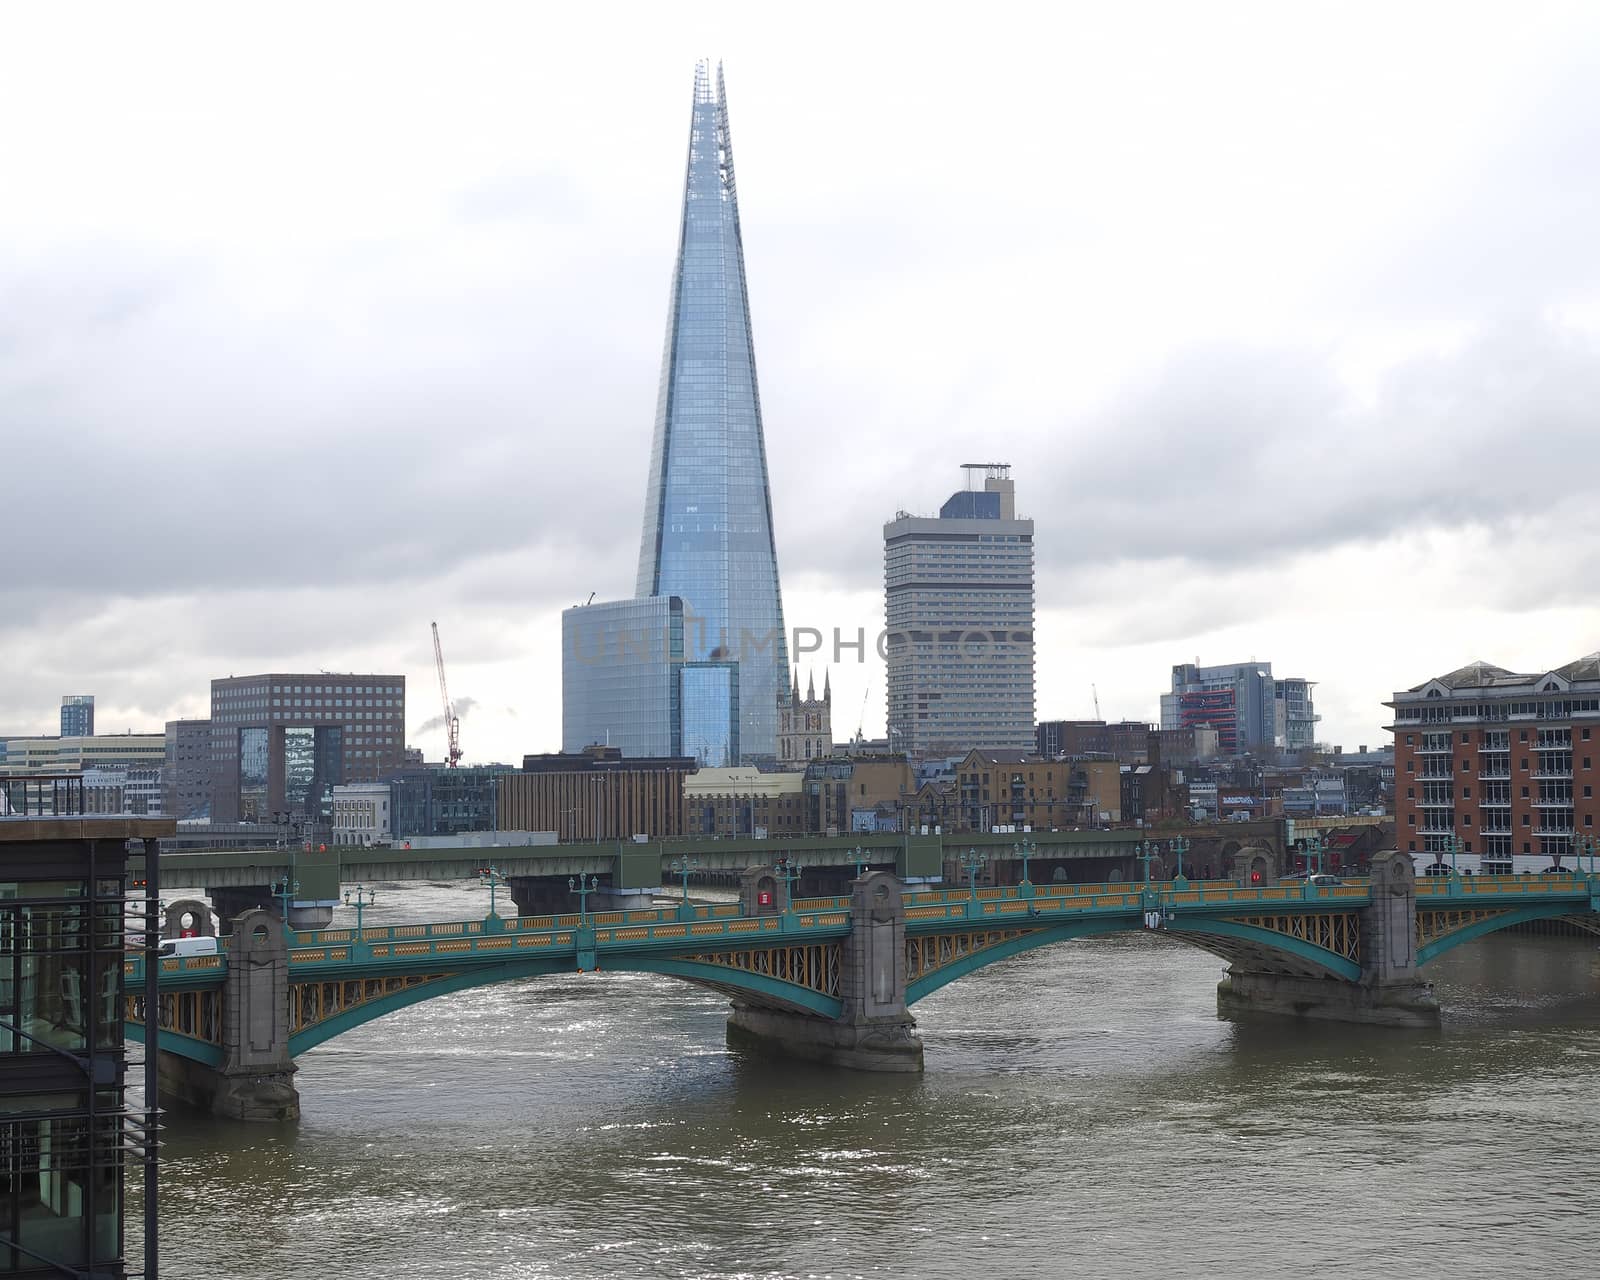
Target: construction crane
{"points": [[452, 725], [1096, 693]]}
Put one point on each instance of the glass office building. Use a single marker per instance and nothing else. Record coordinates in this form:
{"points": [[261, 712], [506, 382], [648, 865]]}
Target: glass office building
{"points": [[708, 515], [65, 1129], [620, 664]]}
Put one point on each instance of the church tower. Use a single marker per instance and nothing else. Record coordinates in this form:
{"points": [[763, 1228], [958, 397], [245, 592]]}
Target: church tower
{"points": [[805, 730]]}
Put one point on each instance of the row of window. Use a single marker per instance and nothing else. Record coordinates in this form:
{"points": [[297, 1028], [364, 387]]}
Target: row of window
{"points": [[1545, 710], [1500, 739]]}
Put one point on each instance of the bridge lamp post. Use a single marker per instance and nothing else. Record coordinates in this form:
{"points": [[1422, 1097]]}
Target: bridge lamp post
{"points": [[284, 890], [1027, 851], [860, 860], [1454, 845], [583, 886], [682, 867], [788, 871], [492, 877], [971, 862], [365, 897], [1180, 846], [1314, 851], [1145, 855]]}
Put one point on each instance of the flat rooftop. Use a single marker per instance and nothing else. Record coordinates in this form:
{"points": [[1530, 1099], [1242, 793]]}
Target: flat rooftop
{"points": [[75, 826]]}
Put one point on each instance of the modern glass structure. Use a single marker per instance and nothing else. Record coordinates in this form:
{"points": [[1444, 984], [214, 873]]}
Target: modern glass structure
{"points": [[708, 514], [620, 665], [66, 1133], [77, 715]]}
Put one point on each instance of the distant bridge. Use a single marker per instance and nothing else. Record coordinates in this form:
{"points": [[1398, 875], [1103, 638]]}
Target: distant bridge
{"points": [[631, 874], [830, 978]]}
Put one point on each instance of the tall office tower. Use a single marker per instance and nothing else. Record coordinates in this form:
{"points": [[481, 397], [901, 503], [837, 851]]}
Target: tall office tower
{"points": [[1239, 701], [1296, 718], [707, 538], [959, 606], [77, 715]]}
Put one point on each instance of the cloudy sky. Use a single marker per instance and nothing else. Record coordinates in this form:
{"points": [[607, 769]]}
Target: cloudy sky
{"points": [[322, 323]]}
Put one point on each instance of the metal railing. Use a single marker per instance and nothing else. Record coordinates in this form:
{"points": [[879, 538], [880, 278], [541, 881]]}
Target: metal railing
{"points": [[42, 795]]}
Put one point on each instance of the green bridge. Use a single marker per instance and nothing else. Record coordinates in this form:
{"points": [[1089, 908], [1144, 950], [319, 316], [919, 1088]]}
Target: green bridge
{"points": [[631, 874], [831, 979]]}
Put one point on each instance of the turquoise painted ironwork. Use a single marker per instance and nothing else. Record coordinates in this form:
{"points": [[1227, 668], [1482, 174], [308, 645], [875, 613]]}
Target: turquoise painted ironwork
{"points": [[489, 877], [365, 897], [583, 886], [1027, 851], [683, 868], [455, 956], [972, 862], [788, 871], [284, 891]]}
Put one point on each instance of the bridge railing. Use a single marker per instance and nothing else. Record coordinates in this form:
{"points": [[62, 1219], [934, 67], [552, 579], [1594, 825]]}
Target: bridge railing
{"points": [[1503, 886], [197, 966]]}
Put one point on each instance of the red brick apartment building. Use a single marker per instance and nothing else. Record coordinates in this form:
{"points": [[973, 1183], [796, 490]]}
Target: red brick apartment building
{"points": [[1503, 761]]}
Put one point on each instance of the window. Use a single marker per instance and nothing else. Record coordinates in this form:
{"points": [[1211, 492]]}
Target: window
{"points": [[1466, 793], [1466, 819], [1411, 793], [1463, 737], [1411, 766], [1522, 736], [1524, 760]]}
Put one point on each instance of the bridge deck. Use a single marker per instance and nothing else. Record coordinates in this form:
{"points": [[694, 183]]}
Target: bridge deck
{"points": [[324, 953]]}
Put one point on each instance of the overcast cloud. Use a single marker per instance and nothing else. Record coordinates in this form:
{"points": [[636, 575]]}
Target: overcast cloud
{"points": [[317, 326]]}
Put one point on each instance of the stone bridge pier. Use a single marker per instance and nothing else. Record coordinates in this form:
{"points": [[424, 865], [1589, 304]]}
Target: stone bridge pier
{"points": [[875, 1031], [1389, 991], [255, 1080]]}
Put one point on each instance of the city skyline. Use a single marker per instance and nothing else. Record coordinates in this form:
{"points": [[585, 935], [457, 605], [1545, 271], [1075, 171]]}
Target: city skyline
{"points": [[1268, 379]]}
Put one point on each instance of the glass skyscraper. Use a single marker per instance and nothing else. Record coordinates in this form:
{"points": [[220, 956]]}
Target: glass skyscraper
{"points": [[707, 536]]}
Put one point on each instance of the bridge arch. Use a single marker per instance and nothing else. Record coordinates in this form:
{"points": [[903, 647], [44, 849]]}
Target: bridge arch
{"points": [[1257, 945], [1469, 926]]}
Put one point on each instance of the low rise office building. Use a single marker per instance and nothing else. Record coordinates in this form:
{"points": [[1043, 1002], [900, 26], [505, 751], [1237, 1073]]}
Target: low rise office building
{"points": [[596, 794]]}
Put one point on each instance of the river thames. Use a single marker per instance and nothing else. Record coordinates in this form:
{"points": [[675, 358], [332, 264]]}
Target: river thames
{"points": [[1083, 1112]]}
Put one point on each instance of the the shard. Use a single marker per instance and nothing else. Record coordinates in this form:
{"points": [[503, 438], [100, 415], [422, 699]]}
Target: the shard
{"points": [[708, 514]]}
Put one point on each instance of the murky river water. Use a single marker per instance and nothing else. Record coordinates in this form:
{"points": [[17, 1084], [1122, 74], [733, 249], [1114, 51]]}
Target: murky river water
{"points": [[1083, 1112]]}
